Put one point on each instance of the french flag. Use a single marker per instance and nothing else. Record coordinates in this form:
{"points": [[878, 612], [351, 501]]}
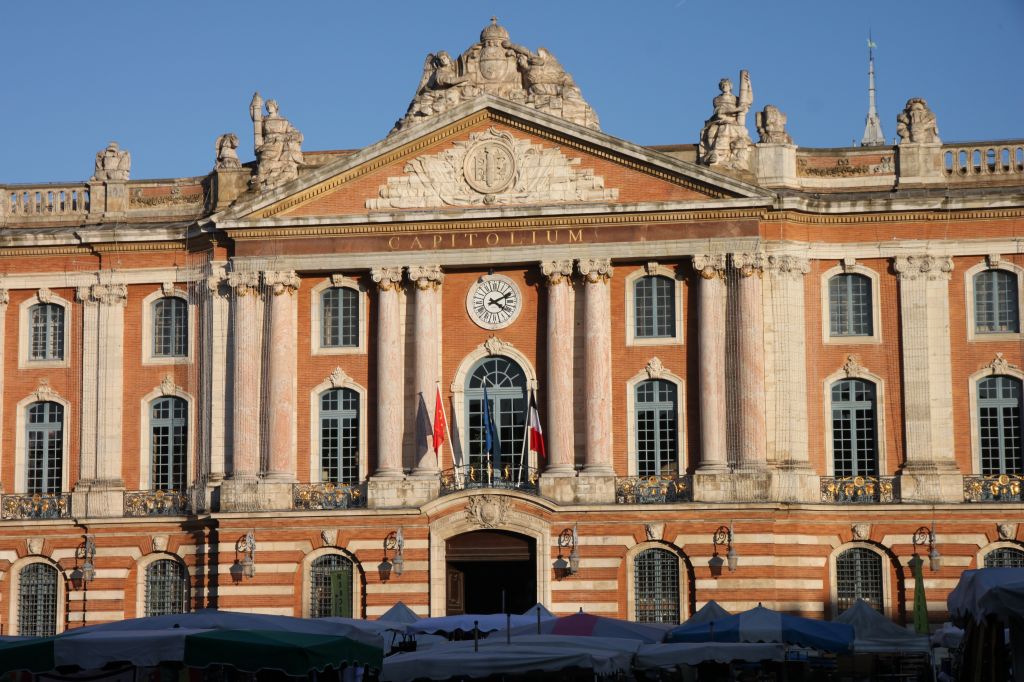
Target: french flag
{"points": [[536, 432]]}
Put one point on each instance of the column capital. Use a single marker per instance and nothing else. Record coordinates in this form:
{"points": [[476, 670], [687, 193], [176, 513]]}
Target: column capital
{"points": [[387, 278], [709, 265], [786, 265], [426, 276], [244, 282], [5, 297], [283, 282], [923, 267], [557, 271], [748, 263], [106, 294], [596, 270]]}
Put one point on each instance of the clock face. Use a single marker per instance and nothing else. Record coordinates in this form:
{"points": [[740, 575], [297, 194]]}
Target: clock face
{"points": [[494, 302]]}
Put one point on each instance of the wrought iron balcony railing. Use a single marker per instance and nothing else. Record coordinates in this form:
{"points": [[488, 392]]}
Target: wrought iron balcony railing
{"points": [[156, 503], [472, 476], [327, 496], [36, 506], [653, 489], [859, 489], [995, 488]]}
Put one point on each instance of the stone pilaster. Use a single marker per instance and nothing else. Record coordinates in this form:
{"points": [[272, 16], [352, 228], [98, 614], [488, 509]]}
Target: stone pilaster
{"points": [[390, 387], [427, 280], [282, 404], [930, 472], [597, 385], [5, 299], [559, 428], [753, 439], [245, 419], [216, 313]]}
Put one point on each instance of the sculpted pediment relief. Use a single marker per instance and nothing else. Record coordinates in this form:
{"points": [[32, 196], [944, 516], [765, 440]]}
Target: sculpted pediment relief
{"points": [[492, 168]]}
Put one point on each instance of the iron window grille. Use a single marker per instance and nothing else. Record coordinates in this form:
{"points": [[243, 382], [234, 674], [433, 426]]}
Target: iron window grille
{"points": [[859, 576], [656, 586], [170, 327], [854, 438], [37, 601], [330, 581], [339, 436], [999, 425], [654, 307], [506, 389], [849, 305], [995, 302], [46, 326], [657, 447], [1005, 557], [169, 443], [45, 451], [339, 317], [167, 588]]}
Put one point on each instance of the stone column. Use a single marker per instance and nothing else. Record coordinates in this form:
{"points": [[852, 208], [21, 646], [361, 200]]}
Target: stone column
{"points": [[930, 472], [561, 396], [597, 332], [5, 299], [427, 280], [711, 360], [753, 453], [245, 420], [281, 392], [390, 384], [216, 313]]}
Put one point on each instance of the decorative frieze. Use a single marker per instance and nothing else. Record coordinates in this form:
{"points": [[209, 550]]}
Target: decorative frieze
{"points": [[286, 282], [557, 271], [426, 276], [387, 278], [923, 267], [709, 265], [596, 270]]}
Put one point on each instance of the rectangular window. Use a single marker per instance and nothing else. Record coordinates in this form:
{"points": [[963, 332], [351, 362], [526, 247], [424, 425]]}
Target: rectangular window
{"points": [[46, 331], [339, 318]]}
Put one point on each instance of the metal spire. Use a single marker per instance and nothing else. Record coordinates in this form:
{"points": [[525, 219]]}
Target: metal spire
{"points": [[873, 136]]}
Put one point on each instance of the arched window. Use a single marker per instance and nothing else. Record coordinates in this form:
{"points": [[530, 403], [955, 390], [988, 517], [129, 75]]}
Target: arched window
{"points": [[505, 383], [330, 587], [46, 331], [168, 424], [1005, 557], [854, 441], [995, 302], [339, 436], [167, 589], [170, 327], [339, 316], [37, 600], [999, 425], [657, 433], [849, 305], [45, 439], [655, 307], [656, 586], [859, 576]]}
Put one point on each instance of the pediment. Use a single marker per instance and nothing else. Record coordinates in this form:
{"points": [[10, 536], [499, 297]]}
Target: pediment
{"points": [[491, 155]]}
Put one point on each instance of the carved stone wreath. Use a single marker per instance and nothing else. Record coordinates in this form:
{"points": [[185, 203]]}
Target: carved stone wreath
{"points": [[488, 511]]}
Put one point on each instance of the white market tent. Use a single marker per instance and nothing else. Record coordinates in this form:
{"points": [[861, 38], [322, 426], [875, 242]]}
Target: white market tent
{"points": [[708, 612], [399, 613], [486, 622], [985, 592], [672, 655], [874, 633]]}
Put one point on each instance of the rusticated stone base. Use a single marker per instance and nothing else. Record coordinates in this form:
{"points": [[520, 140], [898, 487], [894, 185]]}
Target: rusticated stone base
{"points": [[922, 485], [558, 488], [758, 485], [253, 494], [796, 485], [595, 489], [93, 499], [388, 493]]}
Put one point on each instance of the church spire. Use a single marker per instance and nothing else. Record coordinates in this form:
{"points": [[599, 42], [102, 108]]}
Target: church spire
{"points": [[873, 136]]}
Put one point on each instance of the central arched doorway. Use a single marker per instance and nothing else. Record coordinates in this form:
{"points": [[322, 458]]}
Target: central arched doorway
{"points": [[481, 565]]}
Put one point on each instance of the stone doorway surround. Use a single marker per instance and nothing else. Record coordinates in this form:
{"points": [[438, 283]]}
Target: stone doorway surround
{"points": [[487, 509]]}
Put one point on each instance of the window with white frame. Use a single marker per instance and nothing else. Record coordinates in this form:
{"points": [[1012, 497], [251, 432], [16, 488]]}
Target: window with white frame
{"points": [[859, 576], [46, 332], [999, 425], [854, 437], [339, 436], [44, 437], [996, 308], [38, 585], [654, 307], [657, 431], [505, 383], [656, 586], [167, 588], [849, 305], [168, 426], [330, 586], [170, 327], [339, 318]]}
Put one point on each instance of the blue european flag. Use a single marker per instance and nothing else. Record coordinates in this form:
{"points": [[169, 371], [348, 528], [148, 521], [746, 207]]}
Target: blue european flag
{"points": [[492, 444]]}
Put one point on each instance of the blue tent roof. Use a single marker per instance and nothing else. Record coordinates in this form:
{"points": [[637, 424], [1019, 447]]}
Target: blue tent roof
{"points": [[764, 625]]}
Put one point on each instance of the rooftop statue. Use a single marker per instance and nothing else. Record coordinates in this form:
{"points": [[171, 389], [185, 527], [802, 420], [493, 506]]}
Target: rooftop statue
{"points": [[278, 145], [498, 67], [771, 126], [724, 140], [112, 163], [916, 123], [227, 157]]}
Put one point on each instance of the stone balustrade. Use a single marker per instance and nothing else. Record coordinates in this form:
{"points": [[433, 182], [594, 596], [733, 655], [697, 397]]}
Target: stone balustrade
{"points": [[33, 201], [967, 162]]}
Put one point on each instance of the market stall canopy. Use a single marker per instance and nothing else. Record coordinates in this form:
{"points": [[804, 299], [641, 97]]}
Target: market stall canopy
{"points": [[671, 655], [764, 625], [984, 592], [486, 622], [710, 611], [589, 625], [874, 633], [399, 613], [544, 612]]}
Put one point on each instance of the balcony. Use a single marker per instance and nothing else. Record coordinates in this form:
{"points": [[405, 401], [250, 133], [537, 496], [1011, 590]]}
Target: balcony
{"points": [[995, 488], [859, 489], [653, 489], [36, 506], [474, 476], [328, 496], [156, 503]]}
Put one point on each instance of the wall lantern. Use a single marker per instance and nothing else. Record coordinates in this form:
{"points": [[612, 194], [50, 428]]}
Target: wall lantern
{"points": [[569, 539], [394, 542], [723, 537], [88, 559], [246, 546], [926, 536]]}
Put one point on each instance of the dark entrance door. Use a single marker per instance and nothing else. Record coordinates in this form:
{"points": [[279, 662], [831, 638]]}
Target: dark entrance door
{"points": [[484, 563]]}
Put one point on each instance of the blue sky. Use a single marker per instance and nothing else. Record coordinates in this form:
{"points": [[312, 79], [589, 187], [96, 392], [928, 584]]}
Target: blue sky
{"points": [[164, 79]]}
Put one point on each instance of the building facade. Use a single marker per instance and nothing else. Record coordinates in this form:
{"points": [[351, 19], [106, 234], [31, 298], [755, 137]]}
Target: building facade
{"points": [[763, 373]]}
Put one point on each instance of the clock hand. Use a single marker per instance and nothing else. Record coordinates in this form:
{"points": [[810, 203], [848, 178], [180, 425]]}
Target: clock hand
{"points": [[496, 301]]}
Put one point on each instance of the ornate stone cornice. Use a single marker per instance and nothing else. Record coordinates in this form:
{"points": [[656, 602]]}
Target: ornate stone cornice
{"points": [[387, 278], [104, 294], [426, 276], [557, 271], [786, 265], [282, 282], [244, 283], [709, 265], [596, 270], [923, 267], [748, 263]]}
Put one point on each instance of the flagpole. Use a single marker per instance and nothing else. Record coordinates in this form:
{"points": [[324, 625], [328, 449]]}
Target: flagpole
{"points": [[524, 457], [448, 434]]}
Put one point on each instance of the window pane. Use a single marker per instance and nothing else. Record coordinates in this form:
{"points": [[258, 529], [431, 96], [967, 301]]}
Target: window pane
{"points": [[170, 327], [330, 587], [995, 302], [849, 303], [37, 601], [46, 332], [854, 442], [339, 318], [859, 576], [44, 440], [339, 436], [656, 429], [656, 586], [999, 425], [169, 443], [654, 307]]}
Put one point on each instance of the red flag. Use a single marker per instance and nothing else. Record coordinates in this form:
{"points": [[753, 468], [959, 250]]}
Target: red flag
{"points": [[440, 422], [536, 432]]}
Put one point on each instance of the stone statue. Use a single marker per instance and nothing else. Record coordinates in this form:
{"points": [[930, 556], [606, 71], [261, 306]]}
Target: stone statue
{"points": [[496, 66], [112, 164], [278, 146], [724, 140], [771, 126], [227, 157], [916, 123]]}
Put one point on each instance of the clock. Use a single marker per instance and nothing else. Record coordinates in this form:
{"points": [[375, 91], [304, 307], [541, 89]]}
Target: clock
{"points": [[494, 302]]}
